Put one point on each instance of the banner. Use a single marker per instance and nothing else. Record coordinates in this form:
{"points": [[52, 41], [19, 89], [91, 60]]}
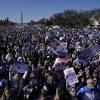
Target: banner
{"points": [[70, 76], [19, 68]]}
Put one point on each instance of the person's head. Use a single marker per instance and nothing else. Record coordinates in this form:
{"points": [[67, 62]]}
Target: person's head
{"points": [[16, 77], [95, 81], [30, 63], [46, 63], [6, 93], [72, 91], [90, 83], [28, 59], [43, 94], [80, 72], [97, 56], [59, 91], [87, 70], [95, 73], [32, 75], [78, 66], [82, 79], [50, 79]]}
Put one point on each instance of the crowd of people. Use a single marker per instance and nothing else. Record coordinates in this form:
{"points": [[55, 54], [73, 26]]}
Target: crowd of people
{"points": [[42, 78]]}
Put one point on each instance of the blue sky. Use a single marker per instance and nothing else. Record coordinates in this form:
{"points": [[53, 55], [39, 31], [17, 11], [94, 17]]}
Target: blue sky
{"points": [[37, 9]]}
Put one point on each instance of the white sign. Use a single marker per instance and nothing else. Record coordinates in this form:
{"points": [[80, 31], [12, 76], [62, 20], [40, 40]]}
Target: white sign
{"points": [[70, 76], [57, 48], [21, 68]]}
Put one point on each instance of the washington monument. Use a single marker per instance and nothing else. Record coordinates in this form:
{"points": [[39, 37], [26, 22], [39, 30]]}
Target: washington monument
{"points": [[21, 17]]}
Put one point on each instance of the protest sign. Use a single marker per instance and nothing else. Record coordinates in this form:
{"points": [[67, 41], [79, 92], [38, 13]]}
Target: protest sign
{"points": [[70, 76], [20, 68], [57, 48]]}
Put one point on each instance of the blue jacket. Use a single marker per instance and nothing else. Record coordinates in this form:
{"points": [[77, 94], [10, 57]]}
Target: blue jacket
{"points": [[86, 93]]}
